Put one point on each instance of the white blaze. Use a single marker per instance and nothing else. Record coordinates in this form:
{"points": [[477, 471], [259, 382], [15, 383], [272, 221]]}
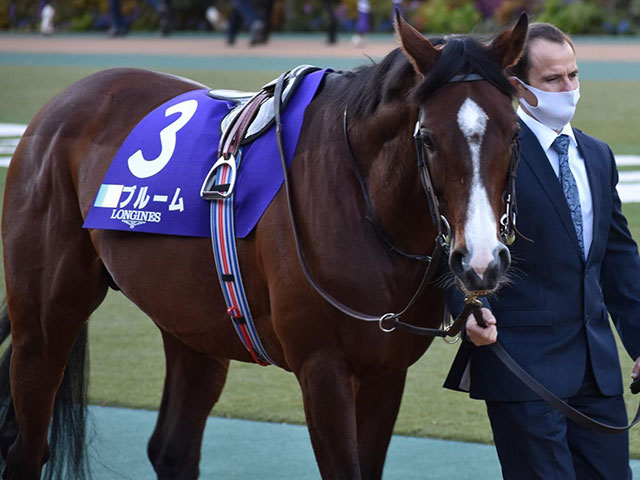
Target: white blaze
{"points": [[480, 228]]}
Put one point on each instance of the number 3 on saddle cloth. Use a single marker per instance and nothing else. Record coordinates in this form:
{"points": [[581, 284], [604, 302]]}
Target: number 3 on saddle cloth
{"points": [[168, 178]]}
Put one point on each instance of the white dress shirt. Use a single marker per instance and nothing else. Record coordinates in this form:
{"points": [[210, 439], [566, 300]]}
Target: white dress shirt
{"points": [[546, 136]]}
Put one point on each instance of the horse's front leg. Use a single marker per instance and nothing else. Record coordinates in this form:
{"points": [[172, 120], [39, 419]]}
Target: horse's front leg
{"points": [[329, 402], [377, 404]]}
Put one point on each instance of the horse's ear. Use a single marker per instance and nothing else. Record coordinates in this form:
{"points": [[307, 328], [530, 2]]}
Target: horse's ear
{"points": [[508, 46], [419, 50]]}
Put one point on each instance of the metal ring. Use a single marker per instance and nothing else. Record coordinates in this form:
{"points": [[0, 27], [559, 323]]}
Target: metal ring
{"points": [[384, 317], [446, 233], [504, 220], [507, 234], [454, 340]]}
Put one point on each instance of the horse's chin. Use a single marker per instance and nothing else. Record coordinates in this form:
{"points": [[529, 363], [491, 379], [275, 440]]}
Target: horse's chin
{"points": [[472, 291]]}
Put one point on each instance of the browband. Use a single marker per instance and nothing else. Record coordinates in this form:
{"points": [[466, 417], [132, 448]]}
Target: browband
{"points": [[466, 77]]}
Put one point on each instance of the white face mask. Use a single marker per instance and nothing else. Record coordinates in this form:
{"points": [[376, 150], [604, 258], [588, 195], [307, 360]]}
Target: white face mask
{"points": [[555, 109]]}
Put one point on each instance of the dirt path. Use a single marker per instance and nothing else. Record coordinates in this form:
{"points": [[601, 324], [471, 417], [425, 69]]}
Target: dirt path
{"points": [[280, 46]]}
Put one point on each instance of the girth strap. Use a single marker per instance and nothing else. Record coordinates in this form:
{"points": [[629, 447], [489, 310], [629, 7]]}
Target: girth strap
{"points": [[225, 254]]}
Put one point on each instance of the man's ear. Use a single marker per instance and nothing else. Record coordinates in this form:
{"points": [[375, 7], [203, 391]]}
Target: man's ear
{"points": [[520, 90]]}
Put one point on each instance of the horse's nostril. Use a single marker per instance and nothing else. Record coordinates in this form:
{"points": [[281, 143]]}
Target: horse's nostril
{"points": [[456, 260], [504, 257], [484, 277]]}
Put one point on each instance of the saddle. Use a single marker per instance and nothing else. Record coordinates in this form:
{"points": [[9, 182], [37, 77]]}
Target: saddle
{"points": [[252, 114]]}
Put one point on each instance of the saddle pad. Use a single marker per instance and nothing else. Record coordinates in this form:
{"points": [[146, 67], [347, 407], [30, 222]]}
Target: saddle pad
{"points": [[153, 183]]}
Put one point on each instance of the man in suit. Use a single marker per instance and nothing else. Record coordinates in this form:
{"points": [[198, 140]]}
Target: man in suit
{"points": [[577, 265]]}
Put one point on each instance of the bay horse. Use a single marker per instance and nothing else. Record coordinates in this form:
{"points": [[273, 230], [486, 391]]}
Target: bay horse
{"points": [[351, 373]]}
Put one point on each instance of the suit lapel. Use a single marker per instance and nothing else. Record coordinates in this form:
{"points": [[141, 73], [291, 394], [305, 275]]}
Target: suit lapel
{"points": [[533, 155]]}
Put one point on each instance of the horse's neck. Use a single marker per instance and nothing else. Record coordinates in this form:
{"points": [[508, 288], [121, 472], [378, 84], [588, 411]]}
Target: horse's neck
{"points": [[384, 149]]}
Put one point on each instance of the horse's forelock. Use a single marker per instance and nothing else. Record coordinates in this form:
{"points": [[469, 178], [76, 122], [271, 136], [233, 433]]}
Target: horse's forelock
{"points": [[461, 55]]}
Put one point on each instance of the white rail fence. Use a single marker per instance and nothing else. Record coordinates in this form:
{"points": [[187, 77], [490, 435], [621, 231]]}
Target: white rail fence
{"points": [[628, 186]]}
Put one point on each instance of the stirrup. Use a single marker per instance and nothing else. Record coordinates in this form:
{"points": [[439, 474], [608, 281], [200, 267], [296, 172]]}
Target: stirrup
{"points": [[212, 191]]}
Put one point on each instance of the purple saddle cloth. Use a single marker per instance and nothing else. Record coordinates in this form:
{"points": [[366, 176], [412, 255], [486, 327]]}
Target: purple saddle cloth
{"points": [[153, 183]]}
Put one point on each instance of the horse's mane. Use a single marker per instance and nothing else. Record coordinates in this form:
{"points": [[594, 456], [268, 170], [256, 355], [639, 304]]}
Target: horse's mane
{"points": [[373, 85]]}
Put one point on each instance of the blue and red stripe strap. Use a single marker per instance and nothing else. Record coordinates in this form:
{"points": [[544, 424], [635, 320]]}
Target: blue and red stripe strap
{"points": [[228, 268]]}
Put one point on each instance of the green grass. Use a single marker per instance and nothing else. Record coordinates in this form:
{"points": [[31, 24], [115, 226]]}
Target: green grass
{"points": [[25, 89], [608, 110], [127, 363]]}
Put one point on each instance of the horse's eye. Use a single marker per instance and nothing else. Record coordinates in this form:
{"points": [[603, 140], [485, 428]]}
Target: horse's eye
{"points": [[427, 141]]}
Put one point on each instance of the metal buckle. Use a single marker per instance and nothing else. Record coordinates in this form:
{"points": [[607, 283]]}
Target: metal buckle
{"points": [[508, 234], [384, 317], [212, 191], [471, 298]]}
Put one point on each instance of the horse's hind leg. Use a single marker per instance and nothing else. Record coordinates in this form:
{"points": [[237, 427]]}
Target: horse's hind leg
{"points": [[48, 306], [49, 303], [54, 281], [193, 384]]}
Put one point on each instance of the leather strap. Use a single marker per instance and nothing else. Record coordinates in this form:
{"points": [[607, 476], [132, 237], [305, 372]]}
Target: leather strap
{"points": [[508, 361], [559, 404], [371, 215], [451, 331], [230, 140], [430, 270]]}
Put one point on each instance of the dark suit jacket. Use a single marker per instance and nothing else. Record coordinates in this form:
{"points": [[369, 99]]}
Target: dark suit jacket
{"points": [[552, 317]]}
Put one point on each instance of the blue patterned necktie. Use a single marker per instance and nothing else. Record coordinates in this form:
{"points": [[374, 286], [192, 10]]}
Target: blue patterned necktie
{"points": [[568, 182]]}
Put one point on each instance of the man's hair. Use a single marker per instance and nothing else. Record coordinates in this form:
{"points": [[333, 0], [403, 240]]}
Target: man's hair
{"points": [[544, 31]]}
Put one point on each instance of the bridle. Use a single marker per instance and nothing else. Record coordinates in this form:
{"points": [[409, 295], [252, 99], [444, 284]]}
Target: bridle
{"points": [[508, 218], [390, 321]]}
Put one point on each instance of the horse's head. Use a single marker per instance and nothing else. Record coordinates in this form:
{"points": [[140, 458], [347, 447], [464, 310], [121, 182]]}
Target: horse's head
{"points": [[467, 134]]}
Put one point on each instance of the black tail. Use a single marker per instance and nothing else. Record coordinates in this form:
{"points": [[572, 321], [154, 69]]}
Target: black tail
{"points": [[67, 431], [7, 425]]}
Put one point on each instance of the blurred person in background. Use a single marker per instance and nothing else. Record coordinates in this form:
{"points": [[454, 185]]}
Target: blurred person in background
{"points": [[118, 27], [46, 19], [257, 16], [363, 23]]}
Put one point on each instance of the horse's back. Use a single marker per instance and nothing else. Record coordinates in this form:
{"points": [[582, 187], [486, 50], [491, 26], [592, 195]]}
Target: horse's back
{"points": [[61, 159], [76, 134]]}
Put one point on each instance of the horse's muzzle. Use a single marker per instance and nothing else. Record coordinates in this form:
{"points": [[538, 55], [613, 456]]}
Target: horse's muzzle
{"points": [[483, 277]]}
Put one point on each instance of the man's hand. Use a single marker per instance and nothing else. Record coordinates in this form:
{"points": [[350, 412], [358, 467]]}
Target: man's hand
{"points": [[636, 369], [486, 336]]}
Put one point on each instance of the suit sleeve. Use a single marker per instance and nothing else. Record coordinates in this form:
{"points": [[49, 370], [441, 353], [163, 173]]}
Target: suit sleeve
{"points": [[620, 275]]}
